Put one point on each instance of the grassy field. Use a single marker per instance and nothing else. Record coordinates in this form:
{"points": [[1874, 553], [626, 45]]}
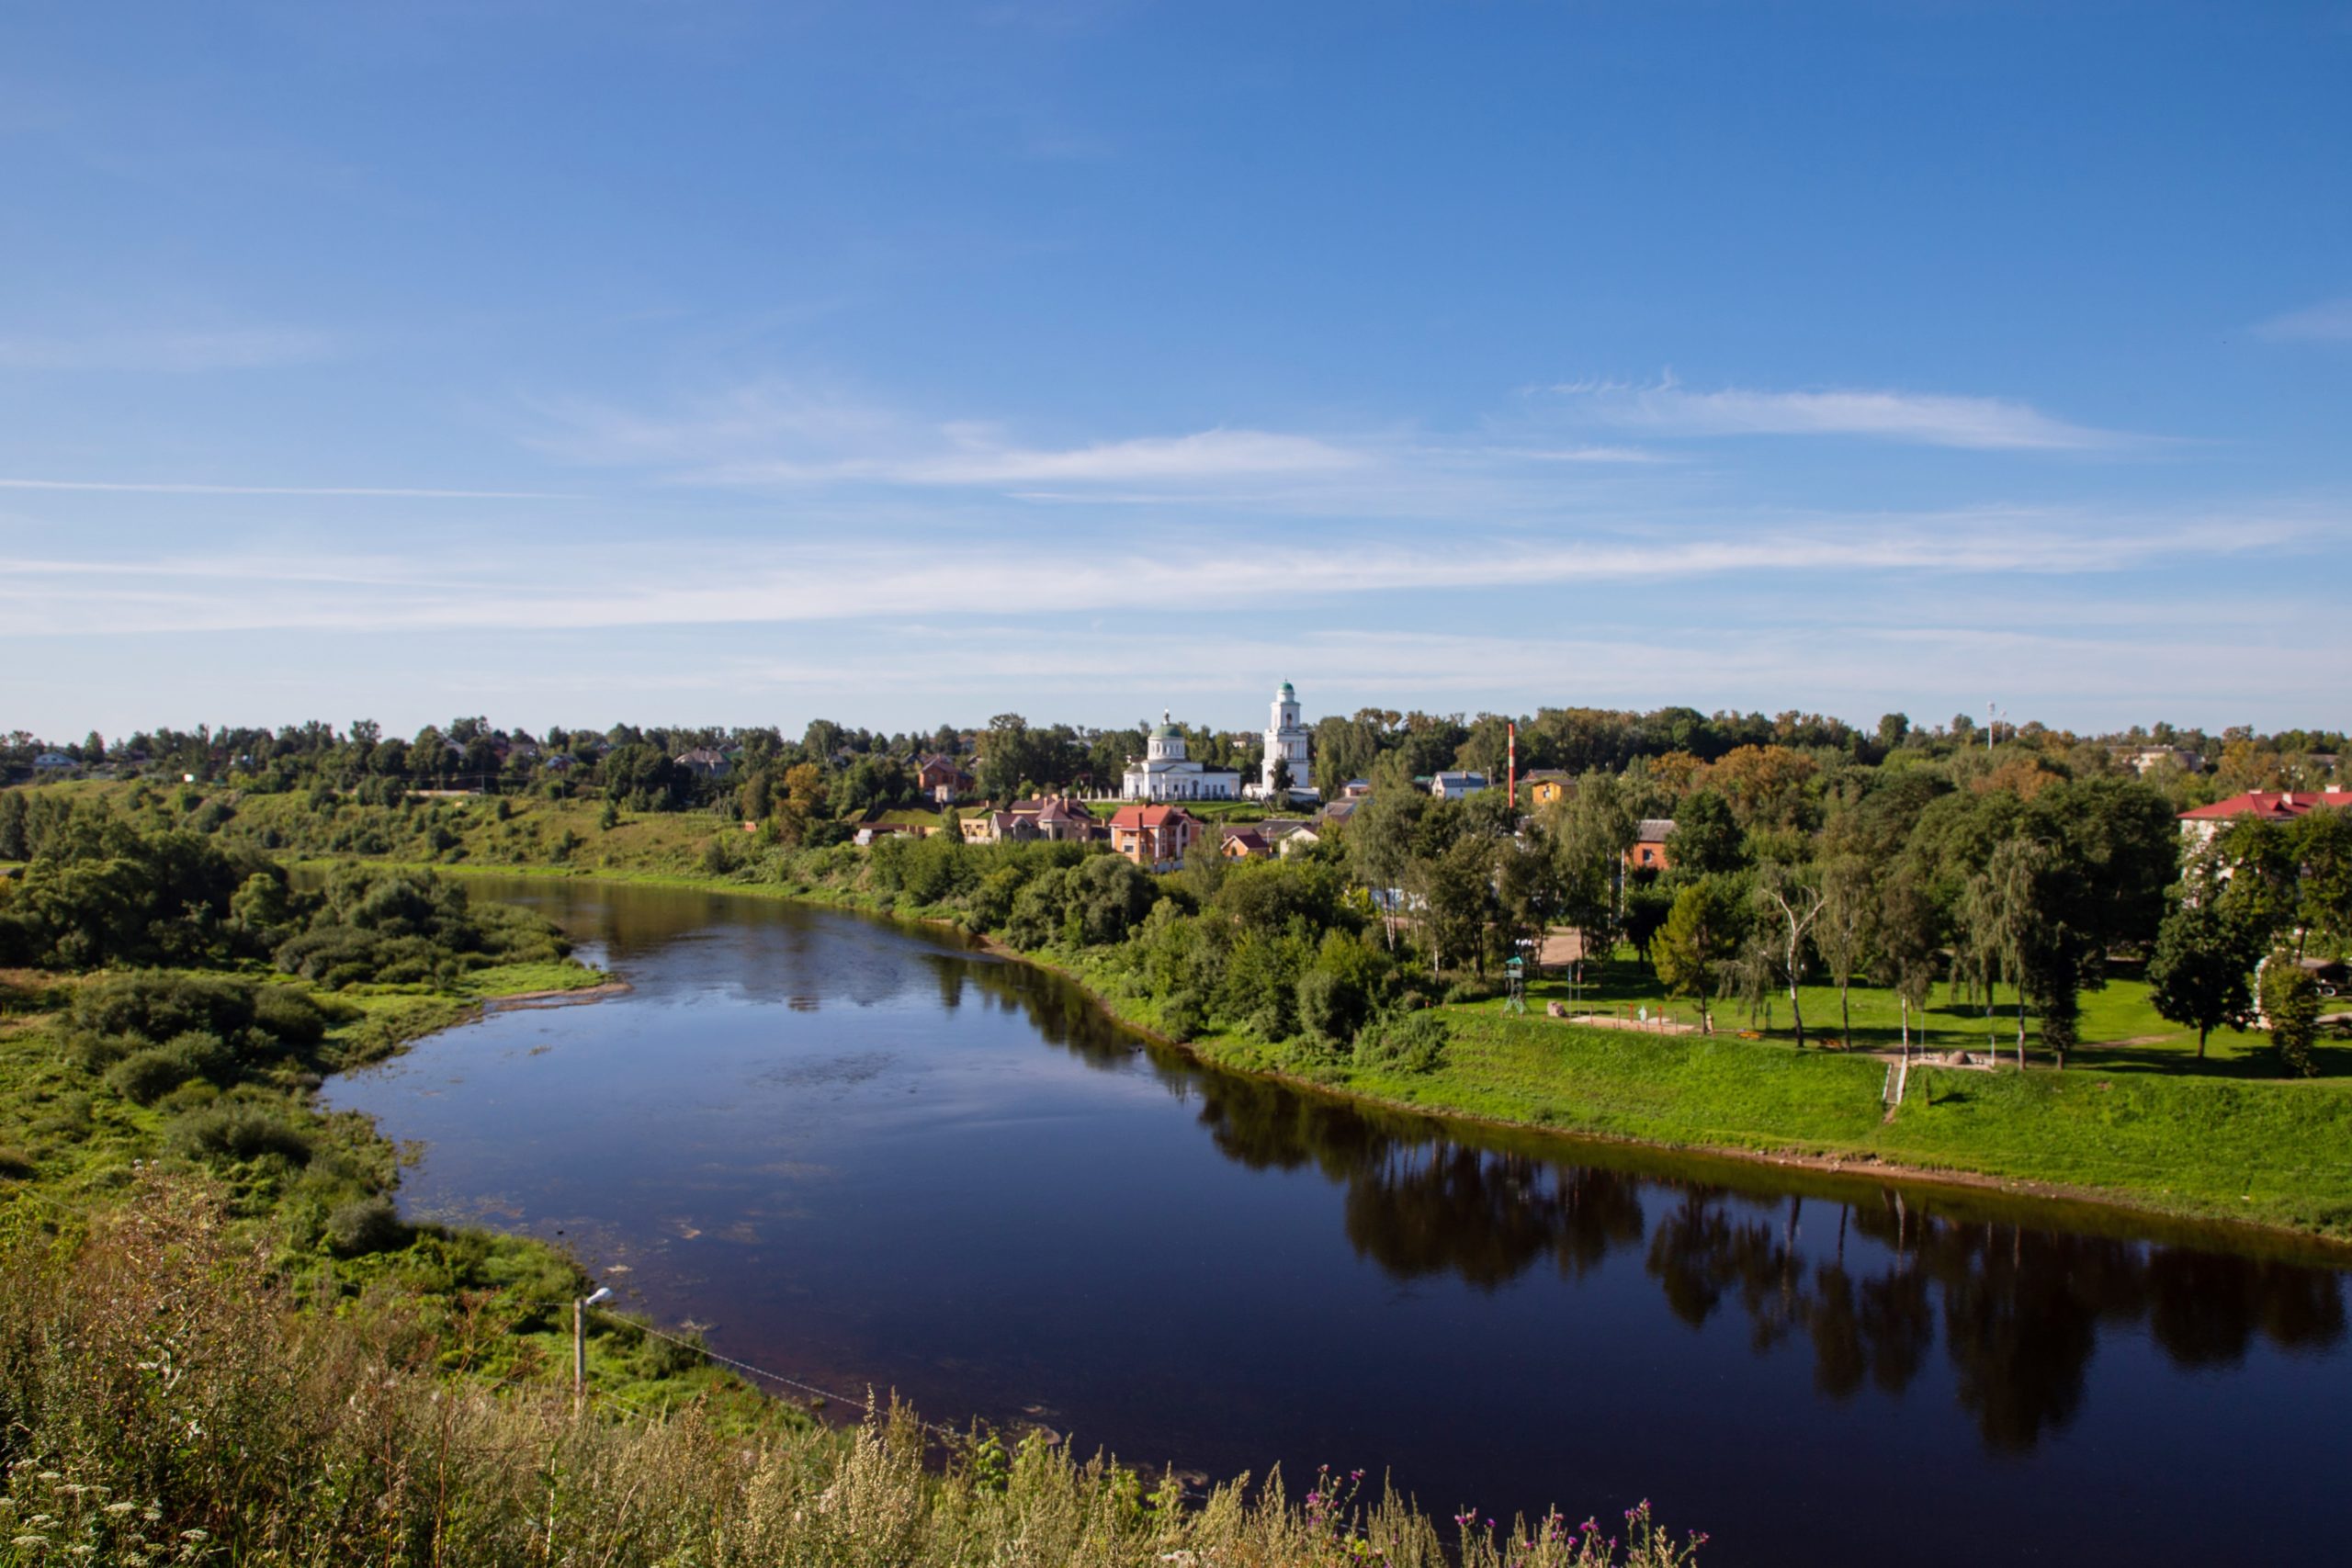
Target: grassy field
{"points": [[2120, 1030]]}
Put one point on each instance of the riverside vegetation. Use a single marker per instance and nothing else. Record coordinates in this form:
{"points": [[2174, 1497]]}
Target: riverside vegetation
{"points": [[221, 1343], [1292, 966]]}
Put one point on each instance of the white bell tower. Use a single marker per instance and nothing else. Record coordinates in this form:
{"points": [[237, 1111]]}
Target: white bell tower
{"points": [[1286, 739]]}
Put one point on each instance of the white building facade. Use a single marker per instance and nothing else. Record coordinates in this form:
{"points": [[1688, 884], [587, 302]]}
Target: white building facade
{"points": [[1164, 773], [1285, 741]]}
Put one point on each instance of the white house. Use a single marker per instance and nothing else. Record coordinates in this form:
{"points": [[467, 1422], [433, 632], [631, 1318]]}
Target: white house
{"points": [[1454, 787], [1164, 773], [1287, 742]]}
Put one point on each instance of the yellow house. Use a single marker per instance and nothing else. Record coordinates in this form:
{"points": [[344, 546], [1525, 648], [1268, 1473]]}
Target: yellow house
{"points": [[1548, 786]]}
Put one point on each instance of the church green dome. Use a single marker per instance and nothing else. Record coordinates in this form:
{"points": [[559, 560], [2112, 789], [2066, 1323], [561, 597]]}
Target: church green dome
{"points": [[1163, 732]]}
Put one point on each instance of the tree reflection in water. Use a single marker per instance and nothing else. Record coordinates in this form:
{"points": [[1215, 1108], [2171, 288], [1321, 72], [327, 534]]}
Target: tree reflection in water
{"points": [[2020, 1307]]}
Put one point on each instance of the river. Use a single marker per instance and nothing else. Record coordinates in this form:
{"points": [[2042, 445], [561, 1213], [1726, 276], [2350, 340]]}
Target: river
{"points": [[857, 1152]]}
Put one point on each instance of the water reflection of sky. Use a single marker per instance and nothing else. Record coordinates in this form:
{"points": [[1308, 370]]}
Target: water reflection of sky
{"points": [[858, 1155]]}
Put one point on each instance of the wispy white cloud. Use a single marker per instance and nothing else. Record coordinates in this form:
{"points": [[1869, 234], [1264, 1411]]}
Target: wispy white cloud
{"points": [[174, 487], [2328, 322], [1920, 418], [585, 589], [173, 351], [779, 433]]}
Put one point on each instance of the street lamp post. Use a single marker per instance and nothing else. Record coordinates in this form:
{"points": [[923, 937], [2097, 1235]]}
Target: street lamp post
{"points": [[580, 1305]]}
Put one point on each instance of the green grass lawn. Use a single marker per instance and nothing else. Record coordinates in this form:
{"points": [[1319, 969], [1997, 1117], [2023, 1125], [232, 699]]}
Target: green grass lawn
{"points": [[2120, 1030], [2272, 1153]]}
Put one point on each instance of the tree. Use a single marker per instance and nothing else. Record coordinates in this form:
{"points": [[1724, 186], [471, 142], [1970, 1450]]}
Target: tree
{"points": [[1701, 934], [2290, 1010], [2197, 973], [1380, 842], [1790, 906], [1705, 841], [1909, 940], [1282, 779], [1456, 887], [1849, 903]]}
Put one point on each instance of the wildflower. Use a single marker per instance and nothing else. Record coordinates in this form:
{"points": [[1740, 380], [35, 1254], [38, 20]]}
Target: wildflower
{"points": [[194, 1535], [118, 1509]]}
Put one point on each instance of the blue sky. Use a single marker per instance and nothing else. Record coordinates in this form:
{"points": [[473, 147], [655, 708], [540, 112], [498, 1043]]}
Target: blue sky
{"points": [[703, 363]]}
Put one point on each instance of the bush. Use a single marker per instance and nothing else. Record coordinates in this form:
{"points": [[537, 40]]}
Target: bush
{"points": [[364, 1225], [1332, 1006], [232, 1135], [288, 1016], [155, 1007], [1410, 1042], [1183, 1015], [145, 1077]]}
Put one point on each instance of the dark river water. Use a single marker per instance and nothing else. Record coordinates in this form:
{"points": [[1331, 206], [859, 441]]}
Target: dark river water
{"points": [[858, 1155]]}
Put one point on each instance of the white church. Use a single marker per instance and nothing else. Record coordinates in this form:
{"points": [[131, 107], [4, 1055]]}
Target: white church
{"points": [[1165, 773]]}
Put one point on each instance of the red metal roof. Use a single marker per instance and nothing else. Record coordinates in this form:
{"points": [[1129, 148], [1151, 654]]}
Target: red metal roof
{"points": [[1148, 815], [2269, 806]]}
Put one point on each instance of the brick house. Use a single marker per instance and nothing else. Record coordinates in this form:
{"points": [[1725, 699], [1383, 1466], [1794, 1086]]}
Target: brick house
{"points": [[1647, 852], [1154, 837]]}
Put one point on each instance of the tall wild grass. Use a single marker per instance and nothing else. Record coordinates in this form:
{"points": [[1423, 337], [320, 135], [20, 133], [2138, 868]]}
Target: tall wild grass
{"points": [[163, 1401]]}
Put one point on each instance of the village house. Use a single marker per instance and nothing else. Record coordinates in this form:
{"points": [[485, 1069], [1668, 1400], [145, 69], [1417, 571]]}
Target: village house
{"points": [[942, 779], [1548, 786], [703, 762], [2140, 758], [1355, 789], [1456, 785], [1154, 837], [2200, 825], [52, 763], [1244, 844], [1647, 852]]}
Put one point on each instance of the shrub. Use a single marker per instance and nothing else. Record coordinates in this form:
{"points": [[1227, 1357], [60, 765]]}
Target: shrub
{"points": [[228, 1134], [288, 1016], [1183, 1015], [155, 1007], [364, 1225], [145, 1077], [1410, 1042], [1331, 1005]]}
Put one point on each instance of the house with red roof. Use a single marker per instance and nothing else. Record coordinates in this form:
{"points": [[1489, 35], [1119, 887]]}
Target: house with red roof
{"points": [[1154, 837], [2200, 825]]}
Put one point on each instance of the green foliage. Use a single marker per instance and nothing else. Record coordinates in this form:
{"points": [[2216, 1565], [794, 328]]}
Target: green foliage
{"points": [[2198, 973], [2291, 1011], [1404, 1043], [145, 1077], [364, 1225], [239, 1132], [399, 927], [1701, 934], [98, 891]]}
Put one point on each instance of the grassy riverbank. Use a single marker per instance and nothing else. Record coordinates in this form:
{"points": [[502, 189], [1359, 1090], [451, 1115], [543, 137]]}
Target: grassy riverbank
{"points": [[220, 1342], [2122, 1124], [2134, 1118]]}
